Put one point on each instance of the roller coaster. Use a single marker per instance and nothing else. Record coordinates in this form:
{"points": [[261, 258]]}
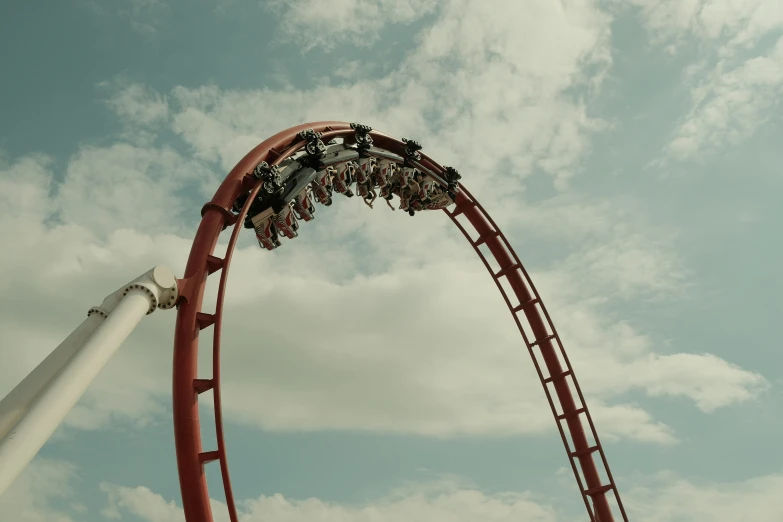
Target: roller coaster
{"points": [[274, 187]]}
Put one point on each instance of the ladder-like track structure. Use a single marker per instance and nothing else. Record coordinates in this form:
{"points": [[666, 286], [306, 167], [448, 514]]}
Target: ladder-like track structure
{"points": [[539, 334]]}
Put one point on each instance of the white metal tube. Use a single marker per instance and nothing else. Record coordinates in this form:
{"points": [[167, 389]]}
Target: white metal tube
{"points": [[24, 441], [14, 405]]}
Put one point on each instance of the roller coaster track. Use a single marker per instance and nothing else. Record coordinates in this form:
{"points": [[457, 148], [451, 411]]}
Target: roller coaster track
{"points": [[554, 370]]}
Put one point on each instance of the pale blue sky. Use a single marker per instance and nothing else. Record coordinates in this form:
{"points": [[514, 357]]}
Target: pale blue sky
{"points": [[636, 170]]}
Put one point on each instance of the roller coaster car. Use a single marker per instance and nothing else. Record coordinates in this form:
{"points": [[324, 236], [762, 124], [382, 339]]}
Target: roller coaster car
{"points": [[266, 233], [405, 176], [439, 201], [344, 177], [303, 205], [364, 170], [382, 174], [366, 192], [324, 178], [386, 192], [294, 186], [286, 222], [364, 174], [427, 189], [405, 199], [324, 184], [322, 194]]}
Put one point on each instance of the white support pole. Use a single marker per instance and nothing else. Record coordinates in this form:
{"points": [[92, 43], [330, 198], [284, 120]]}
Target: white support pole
{"points": [[36, 422], [18, 401]]}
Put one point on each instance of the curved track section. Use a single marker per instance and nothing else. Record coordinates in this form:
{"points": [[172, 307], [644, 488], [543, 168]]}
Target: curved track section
{"points": [[520, 295]]}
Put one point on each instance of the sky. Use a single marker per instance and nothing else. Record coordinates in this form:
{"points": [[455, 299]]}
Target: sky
{"points": [[630, 151]]}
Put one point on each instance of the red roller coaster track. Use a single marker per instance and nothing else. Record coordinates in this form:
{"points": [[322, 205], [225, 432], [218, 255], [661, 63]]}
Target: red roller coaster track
{"points": [[525, 305]]}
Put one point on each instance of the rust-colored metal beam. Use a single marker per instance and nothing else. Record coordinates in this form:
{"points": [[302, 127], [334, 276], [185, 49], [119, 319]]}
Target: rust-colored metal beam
{"points": [[187, 385]]}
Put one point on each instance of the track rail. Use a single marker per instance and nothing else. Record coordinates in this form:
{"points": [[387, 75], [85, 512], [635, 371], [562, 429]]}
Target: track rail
{"points": [[192, 321], [529, 311]]}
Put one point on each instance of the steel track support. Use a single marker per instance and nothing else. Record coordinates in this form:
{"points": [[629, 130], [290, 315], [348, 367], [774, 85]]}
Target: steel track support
{"points": [[34, 409]]}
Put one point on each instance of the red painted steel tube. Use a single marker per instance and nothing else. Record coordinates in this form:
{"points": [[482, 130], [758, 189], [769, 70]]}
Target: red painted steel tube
{"points": [[473, 213], [216, 344], [567, 362], [511, 307], [216, 218], [187, 431]]}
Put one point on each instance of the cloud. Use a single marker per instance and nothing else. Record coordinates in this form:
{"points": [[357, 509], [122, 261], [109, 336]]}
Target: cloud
{"points": [[372, 322], [140, 502], [740, 24], [718, 384], [357, 22], [391, 345], [730, 105], [629, 264], [64, 266], [137, 187], [630, 422], [734, 85], [39, 494], [612, 357], [144, 16], [666, 497], [137, 104], [498, 81], [469, 379], [439, 501], [377, 322], [663, 497]]}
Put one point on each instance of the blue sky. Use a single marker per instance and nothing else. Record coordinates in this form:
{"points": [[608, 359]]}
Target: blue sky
{"points": [[629, 150]]}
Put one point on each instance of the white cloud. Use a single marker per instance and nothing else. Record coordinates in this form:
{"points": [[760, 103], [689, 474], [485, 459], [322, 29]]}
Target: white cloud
{"points": [[628, 421], [42, 486], [144, 16], [629, 264], [468, 379], [129, 186], [137, 104], [740, 24], [668, 497], [390, 343], [363, 324], [58, 270], [484, 89], [663, 497], [434, 365], [718, 384], [610, 356], [140, 502], [730, 105], [736, 83], [445, 500], [357, 22]]}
